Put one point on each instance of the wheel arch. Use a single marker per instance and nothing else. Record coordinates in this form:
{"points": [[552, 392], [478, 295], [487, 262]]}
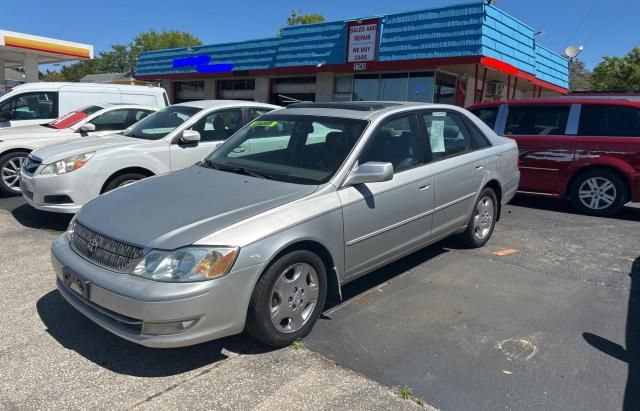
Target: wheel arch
{"points": [[139, 170], [497, 188], [16, 150], [333, 284]]}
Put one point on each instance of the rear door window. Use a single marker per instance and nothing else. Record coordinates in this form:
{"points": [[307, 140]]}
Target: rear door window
{"points": [[447, 134], [537, 120], [607, 120], [488, 115]]}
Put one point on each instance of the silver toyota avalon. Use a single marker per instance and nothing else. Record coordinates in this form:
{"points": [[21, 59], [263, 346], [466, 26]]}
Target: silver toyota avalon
{"points": [[289, 209]]}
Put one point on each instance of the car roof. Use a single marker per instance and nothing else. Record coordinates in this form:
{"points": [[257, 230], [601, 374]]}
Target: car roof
{"points": [[126, 105], [563, 100], [225, 103], [365, 110], [45, 85]]}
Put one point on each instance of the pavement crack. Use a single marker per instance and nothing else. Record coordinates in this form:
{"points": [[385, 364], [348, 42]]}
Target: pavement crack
{"points": [[183, 382]]}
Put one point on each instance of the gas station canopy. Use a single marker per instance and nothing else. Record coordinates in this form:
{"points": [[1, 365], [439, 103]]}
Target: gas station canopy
{"points": [[25, 50]]}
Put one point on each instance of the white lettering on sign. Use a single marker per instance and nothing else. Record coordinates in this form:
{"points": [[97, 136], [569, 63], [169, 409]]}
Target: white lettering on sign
{"points": [[359, 66], [362, 43]]}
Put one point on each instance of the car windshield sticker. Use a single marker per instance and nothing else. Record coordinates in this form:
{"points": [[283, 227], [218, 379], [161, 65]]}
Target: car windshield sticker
{"points": [[264, 123], [439, 114], [436, 135]]}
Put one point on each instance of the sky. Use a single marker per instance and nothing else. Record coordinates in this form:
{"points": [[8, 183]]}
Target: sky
{"points": [[605, 28]]}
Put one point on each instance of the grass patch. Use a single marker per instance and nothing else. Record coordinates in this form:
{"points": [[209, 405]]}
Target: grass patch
{"points": [[297, 345], [406, 393]]}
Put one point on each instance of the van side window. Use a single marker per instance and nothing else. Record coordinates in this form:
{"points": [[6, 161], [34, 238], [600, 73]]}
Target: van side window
{"points": [[447, 134], [488, 115], [609, 120], [32, 106], [537, 120]]}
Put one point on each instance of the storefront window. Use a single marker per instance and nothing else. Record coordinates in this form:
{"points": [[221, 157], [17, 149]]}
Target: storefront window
{"points": [[445, 89], [420, 87], [393, 87], [189, 91], [342, 88], [366, 87]]}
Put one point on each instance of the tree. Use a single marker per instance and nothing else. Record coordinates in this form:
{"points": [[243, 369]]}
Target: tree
{"points": [[295, 19], [123, 58], [579, 76], [619, 74]]}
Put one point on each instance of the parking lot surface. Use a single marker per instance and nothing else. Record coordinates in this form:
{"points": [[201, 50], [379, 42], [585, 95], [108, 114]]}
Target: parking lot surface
{"points": [[549, 326], [553, 325]]}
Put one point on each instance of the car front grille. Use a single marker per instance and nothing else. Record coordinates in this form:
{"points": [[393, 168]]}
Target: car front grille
{"points": [[31, 165], [102, 250]]}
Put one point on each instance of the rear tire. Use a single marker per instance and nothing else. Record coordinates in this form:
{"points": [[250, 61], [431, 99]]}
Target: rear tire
{"points": [[10, 165], [288, 299], [599, 192], [482, 221], [123, 180]]}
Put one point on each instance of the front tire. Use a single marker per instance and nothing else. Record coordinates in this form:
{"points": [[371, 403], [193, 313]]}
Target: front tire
{"points": [[288, 299], [599, 193], [123, 180], [10, 165], [483, 220]]}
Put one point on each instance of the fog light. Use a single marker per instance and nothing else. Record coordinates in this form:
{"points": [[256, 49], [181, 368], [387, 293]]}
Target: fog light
{"points": [[174, 327]]}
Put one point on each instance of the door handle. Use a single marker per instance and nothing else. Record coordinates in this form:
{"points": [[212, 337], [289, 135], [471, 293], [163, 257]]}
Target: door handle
{"points": [[424, 187], [478, 168]]}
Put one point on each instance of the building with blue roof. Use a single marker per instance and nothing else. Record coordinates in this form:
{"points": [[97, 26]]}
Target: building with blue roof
{"points": [[460, 54]]}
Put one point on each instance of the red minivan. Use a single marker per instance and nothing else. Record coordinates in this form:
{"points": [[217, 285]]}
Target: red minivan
{"points": [[587, 150]]}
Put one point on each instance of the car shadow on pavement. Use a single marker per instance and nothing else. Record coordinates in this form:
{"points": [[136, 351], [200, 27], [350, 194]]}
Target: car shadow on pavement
{"points": [[564, 206], [630, 354], [33, 218], [372, 280], [75, 332]]}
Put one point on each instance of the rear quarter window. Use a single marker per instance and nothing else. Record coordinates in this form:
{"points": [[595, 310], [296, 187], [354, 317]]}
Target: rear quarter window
{"points": [[601, 120]]}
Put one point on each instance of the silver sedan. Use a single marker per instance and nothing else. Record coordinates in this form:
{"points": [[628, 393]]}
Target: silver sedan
{"points": [[293, 206]]}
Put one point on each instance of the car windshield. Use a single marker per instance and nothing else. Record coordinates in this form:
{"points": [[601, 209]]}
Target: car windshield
{"points": [[74, 117], [293, 148], [161, 123]]}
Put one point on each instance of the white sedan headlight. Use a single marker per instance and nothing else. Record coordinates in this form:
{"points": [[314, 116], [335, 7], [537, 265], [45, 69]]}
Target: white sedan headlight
{"points": [[187, 264], [68, 164]]}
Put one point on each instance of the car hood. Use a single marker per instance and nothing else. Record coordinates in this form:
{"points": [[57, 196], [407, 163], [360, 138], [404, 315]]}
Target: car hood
{"points": [[85, 145], [30, 132], [177, 209]]}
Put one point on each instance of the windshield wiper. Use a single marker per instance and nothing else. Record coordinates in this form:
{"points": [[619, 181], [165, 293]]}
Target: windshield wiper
{"points": [[237, 170]]}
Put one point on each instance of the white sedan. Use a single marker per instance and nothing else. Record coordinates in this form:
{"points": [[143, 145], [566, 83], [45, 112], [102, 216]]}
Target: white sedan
{"points": [[63, 177], [92, 121]]}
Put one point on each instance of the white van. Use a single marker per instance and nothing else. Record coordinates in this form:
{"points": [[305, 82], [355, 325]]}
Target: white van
{"points": [[39, 103]]}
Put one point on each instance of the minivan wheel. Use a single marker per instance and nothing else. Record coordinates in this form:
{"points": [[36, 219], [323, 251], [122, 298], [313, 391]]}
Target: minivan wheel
{"points": [[482, 221], [10, 165], [123, 180], [599, 192], [288, 299]]}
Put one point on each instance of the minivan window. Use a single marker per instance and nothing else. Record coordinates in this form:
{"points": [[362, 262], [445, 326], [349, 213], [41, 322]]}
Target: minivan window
{"points": [[299, 149], [609, 120], [488, 115], [31, 106], [537, 120], [161, 123]]}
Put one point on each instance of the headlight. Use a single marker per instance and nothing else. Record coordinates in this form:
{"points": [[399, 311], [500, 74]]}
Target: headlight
{"points": [[187, 264], [71, 227], [68, 164]]}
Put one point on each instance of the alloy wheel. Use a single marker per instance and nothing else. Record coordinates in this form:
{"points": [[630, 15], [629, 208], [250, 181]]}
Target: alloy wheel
{"points": [[597, 193], [10, 173], [483, 218], [294, 297]]}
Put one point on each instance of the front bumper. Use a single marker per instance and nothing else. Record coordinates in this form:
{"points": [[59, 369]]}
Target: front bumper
{"points": [[76, 185], [125, 305]]}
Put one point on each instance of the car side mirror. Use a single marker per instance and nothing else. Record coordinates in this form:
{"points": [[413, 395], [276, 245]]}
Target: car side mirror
{"points": [[5, 116], [370, 172], [87, 128], [190, 136]]}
